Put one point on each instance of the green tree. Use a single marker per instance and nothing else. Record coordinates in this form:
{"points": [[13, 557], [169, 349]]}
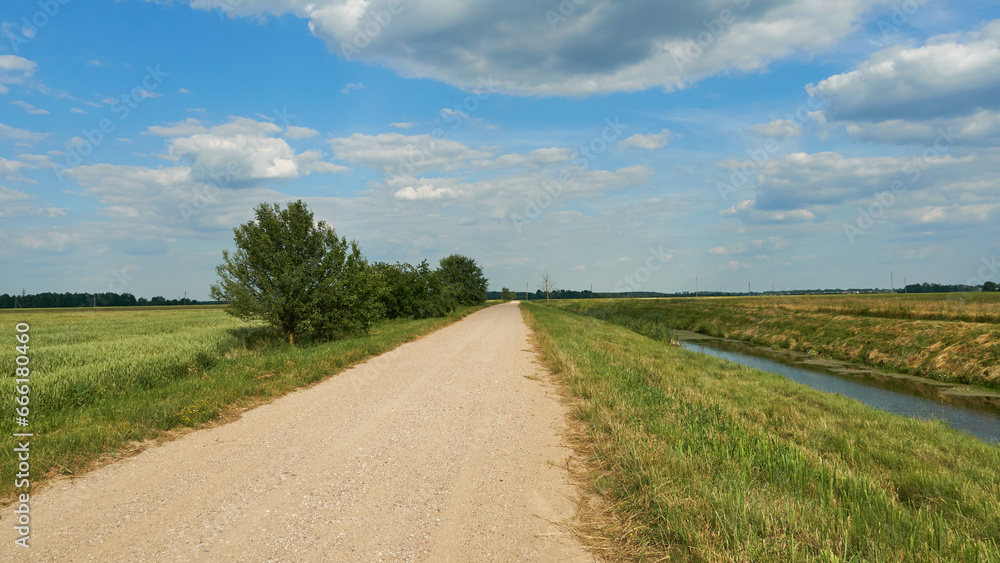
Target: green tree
{"points": [[297, 276], [507, 295], [990, 286], [464, 279]]}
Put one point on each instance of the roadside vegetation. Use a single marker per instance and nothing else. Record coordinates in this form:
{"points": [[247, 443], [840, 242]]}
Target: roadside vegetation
{"points": [[303, 304], [951, 337], [106, 380], [696, 458]]}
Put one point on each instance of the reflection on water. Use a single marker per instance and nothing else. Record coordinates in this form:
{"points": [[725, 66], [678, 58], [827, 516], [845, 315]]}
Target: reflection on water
{"points": [[976, 417]]}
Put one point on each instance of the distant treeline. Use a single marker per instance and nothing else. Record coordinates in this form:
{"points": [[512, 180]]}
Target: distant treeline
{"points": [[47, 300], [586, 294], [936, 288]]}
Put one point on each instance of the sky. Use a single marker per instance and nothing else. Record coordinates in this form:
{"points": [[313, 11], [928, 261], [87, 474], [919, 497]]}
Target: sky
{"points": [[624, 146]]}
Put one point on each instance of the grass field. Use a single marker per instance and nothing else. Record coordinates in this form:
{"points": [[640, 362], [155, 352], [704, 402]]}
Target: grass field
{"points": [[104, 380], [948, 337], [700, 459]]}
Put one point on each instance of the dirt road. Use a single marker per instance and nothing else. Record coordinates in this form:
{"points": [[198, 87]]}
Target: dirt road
{"points": [[445, 449]]}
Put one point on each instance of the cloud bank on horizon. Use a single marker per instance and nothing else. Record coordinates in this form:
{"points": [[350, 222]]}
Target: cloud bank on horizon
{"points": [[789, 143]]}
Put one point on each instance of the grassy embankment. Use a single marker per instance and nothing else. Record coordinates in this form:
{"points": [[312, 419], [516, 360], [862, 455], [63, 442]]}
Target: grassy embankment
{"points": [[702, 459], [105, 380], [947, 337]]}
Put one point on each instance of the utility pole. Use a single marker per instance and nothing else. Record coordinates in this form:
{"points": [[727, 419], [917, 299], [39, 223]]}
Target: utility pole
{"points": [[748, 288], [525, 291], [696, 287], [892, 284], [904, 285]]}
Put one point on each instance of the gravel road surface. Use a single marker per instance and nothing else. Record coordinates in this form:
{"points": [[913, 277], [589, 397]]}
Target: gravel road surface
{"points": [[448, 448]]}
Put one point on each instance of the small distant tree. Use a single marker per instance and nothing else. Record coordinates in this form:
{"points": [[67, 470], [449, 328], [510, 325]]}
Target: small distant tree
{"points": [[990, 286], [464, 279], [547, 285], [507, 295], [297, 276]]}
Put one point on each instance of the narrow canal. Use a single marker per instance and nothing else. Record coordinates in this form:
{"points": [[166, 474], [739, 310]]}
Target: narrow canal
{"points": [[977, 416]]}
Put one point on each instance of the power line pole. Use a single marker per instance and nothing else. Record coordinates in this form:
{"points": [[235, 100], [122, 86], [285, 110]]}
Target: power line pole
{"points": [[892, 284], [696, 286]]}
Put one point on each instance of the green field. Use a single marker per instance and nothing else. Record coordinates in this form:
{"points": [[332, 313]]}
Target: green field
{"points": [[953, 337], [104, 380], [696, 458]]}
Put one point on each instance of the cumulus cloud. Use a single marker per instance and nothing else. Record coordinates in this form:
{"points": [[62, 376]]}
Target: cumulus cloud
{"points": [[15, 70], [244, 150], [189, 126], [948, 76], [747, 211], [9, 132], [402, 124], [907, 95], [778, 128], [649, 141], [30, 108], [293, 132], [404, 154], [591, 47], [425, 191]]}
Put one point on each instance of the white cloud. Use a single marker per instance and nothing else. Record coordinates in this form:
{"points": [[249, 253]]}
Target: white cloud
{"points": [[93, 62], [11, 169], [950, 75], [535, 159], [778, 128], [147, 94], [602, 46], [649, 141], [15, 70], [402, 124], [183, 91], [244, 150], [352, 86], [748, 212], [425, 191], [8, 132], [457, 117], [293, 132], [52, 212], [30, 108], [187, 127], [76, 110], [404, 154]]}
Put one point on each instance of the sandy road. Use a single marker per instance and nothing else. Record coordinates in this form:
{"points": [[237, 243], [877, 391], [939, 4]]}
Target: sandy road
{"points": [[445, 449]]}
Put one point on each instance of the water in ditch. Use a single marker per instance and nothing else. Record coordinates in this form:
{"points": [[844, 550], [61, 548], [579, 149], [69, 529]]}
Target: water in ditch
{"points": [[979, 416]]}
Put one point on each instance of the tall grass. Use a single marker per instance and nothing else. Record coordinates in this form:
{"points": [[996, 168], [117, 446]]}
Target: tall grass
{"points": [[885, 332], [102, 381], [702, 459]]}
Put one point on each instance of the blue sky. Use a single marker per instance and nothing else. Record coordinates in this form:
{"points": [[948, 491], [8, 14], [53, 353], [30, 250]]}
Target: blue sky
{"points": [[627, 145]]}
